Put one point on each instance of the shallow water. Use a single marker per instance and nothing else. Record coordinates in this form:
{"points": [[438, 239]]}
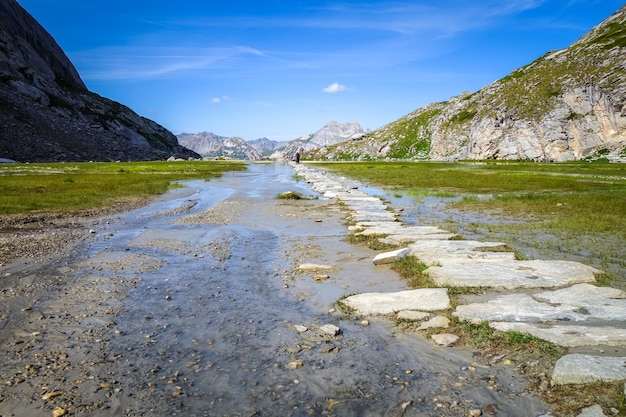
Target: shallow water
{"points": [[208, 328]]}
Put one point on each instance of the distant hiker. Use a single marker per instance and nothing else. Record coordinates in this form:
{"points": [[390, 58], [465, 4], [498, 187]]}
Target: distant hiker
{"points": [[297, 157]]}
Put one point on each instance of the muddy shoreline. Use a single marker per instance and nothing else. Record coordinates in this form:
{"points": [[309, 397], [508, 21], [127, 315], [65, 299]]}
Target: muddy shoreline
{"points": [[98, 323]]}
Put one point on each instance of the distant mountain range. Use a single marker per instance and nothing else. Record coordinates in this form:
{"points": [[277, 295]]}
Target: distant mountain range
{"points": [[210, 145], [566, 105]]}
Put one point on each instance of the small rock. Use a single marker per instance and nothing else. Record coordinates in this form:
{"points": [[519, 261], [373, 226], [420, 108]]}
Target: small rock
{"points": [[438, 322], [313, 267], [593, 411], [295, 364], [475, 412], [58, 411], [445, 339], [300, 328], [364, 323], [330, 329]]}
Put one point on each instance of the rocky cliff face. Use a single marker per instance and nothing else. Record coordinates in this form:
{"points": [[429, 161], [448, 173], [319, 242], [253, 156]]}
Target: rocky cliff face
{"points": [[566, 105], [47, 113]]}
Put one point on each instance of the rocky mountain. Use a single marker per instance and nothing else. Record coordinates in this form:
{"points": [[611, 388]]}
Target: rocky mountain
{"points": [[566, 105], [210, 145], [48, 114], [266, 146], [331, 134]]}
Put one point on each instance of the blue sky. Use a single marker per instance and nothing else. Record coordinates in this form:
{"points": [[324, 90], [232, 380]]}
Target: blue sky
{"points": [[281, 69]]}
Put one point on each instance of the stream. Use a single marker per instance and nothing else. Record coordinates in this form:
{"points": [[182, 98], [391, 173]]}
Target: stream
{"points": [[194, 306]]}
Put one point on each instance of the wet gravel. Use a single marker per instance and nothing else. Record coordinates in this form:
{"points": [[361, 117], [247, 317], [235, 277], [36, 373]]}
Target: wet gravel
{"points": [[194, 306]]}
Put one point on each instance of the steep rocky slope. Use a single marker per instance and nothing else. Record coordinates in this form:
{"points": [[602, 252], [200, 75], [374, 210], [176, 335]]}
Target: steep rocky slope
{"points": [[567, 105], [48, 114]]}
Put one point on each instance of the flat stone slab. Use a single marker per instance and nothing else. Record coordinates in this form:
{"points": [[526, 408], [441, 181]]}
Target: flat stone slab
{"points": [[518, 307], [580, 302], [373, 215], [440, 252], [392, 228], [513, 274], [400, 239], [444, 259], [380, 223], [602, 303], [454, 246], [389, 257], [568, 335], [583, 369], [424, 299]]}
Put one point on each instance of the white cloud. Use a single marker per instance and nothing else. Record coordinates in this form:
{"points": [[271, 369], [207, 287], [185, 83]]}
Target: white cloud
{"points": [[335, 88], [218, 100]]}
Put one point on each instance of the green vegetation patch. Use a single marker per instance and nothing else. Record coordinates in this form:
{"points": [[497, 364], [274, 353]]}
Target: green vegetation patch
{"points": [[412, 135], [75, 187], [291, 195], [574, 211]]}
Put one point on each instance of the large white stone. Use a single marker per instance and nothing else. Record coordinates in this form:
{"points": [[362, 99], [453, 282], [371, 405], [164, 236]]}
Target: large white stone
{"points": [[440, 252], [424, 299], [391, 228], [389, 257], [568, 335], [517, 307], [443, 259], [513, 274], [372, 215], [402, 239], [583, 369], [603, 303]]}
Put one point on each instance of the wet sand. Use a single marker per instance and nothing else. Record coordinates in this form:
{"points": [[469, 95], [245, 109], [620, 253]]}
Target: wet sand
{"points": [[194, 306]]}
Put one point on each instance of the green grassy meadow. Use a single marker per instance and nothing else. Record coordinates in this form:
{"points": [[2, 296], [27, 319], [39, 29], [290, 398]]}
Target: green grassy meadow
{"points": [[75, 187], [574, 211]]}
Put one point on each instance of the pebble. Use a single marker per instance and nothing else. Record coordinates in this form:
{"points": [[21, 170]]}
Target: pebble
{"points": [[300, 328], [330, 329]]}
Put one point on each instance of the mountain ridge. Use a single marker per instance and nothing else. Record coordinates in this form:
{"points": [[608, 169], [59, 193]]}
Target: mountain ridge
{"points": [[47, 113], [210, 145], [566, 105]]}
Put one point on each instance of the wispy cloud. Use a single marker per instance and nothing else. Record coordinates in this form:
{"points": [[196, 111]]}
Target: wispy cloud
{"points": [[135, 63], [408, 17], [334, 88]]}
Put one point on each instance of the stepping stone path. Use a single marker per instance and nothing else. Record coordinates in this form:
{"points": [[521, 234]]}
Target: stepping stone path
{"points": [[554, 300]]}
